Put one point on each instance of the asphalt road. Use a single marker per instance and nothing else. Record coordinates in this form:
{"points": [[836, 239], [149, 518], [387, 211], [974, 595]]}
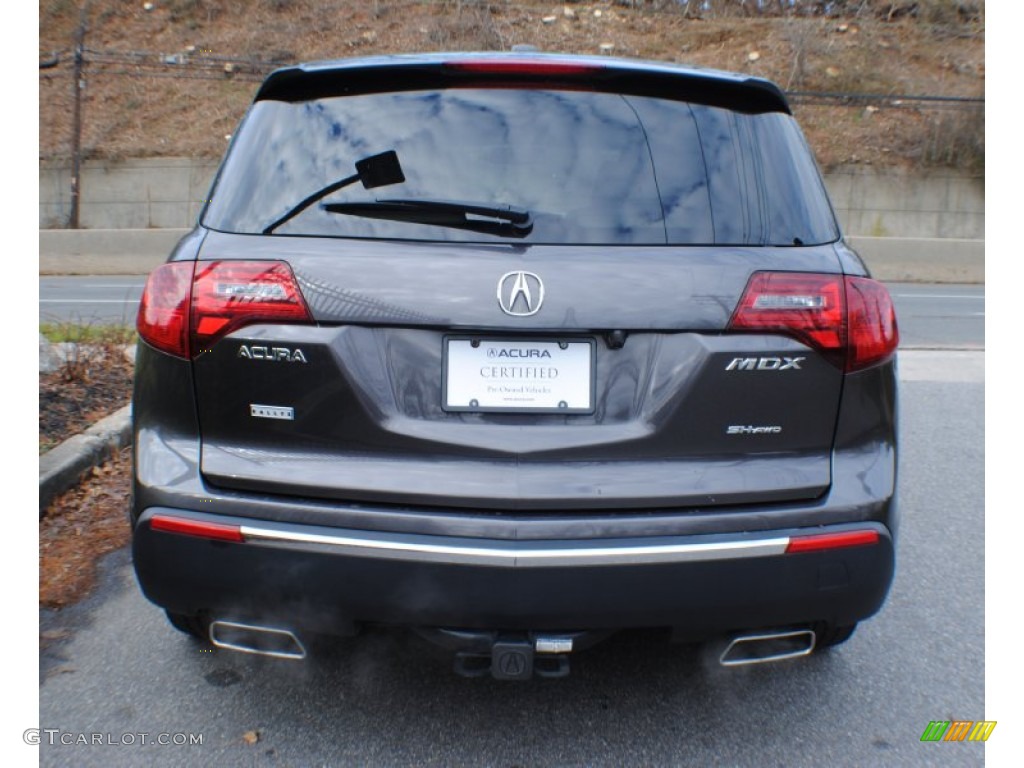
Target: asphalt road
{"points": [[388, 699], [930, 316], [100, 300], [940, 316]]}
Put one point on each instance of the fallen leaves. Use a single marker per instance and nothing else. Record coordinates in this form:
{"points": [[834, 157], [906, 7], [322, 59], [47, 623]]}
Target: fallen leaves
{"points": [[81, 526]]}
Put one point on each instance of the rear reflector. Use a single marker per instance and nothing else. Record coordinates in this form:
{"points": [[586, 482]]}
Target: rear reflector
{"points": [[850, 321], [821, 541], [186, 527]]}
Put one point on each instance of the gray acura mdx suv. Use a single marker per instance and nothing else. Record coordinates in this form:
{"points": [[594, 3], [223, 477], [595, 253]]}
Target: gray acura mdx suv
{"points": [[516, 350]]}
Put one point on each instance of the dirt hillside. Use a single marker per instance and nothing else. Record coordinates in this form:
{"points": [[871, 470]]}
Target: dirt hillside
{"points": [[173, 77]]}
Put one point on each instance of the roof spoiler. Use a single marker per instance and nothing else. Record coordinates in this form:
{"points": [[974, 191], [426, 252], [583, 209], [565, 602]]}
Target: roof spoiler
{"points": [[306, 82]]}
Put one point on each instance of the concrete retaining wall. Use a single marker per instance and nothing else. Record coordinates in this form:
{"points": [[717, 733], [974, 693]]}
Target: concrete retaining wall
{"points": [[892, 203], [917, 227], [140, 193], [168, 192]]}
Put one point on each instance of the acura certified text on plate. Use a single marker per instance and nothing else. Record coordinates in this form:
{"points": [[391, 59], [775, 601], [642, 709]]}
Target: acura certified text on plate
{"points": [[515, 351], [498, 375]]}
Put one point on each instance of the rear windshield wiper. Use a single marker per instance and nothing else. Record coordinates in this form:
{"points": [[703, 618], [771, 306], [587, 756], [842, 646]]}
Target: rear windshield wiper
{"points": [[501, 220], [374, 171]]}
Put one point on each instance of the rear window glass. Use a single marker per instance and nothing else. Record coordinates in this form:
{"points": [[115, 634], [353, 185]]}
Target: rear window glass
{"points": [[589, 167]]}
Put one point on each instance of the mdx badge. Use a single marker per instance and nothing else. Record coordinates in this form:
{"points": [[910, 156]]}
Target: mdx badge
{"points": [[765, 364], [520, 293], [273, 354]]}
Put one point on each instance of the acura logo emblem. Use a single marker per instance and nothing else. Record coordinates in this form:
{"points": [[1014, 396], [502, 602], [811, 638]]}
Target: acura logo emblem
{"points": [[520, 293], [513, 664]]}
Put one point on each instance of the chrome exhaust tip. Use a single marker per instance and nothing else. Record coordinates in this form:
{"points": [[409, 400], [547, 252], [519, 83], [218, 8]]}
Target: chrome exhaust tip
{"points": [[262, 641], [767, 646]]}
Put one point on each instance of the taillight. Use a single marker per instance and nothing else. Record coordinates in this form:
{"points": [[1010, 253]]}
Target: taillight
{"points": [[542, 67], [849, 320], [871, 323], [227, 295], [163, 310], [187, 306]]}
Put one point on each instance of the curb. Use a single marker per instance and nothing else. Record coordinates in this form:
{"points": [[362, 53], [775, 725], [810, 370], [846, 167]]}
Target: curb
{"points": [[64, 466]]}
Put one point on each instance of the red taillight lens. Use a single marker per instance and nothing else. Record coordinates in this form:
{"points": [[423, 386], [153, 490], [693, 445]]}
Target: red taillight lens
{"points": [[188, 305], [809, 308], [163, 310], [871, 324], [849, 320], [227, 295]]}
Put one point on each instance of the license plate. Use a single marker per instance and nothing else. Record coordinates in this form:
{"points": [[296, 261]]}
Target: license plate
{"points": [[519, 376]]}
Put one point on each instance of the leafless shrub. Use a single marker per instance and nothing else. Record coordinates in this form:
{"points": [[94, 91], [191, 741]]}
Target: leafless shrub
{"points": [[945, 13], [79, 355], [54, 9], [956, 139], [192, 12], [468, 25], [937, 13], [951, 18], [805, 38], [77, 362], [84, 345]]}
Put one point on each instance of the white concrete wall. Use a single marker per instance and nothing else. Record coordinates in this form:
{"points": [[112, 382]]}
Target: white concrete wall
{"points": [[892, 203], [142, 193], [168, 192]]}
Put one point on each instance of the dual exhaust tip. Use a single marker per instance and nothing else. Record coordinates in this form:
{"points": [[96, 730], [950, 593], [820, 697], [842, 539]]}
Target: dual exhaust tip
{"points": [[742, 650]]}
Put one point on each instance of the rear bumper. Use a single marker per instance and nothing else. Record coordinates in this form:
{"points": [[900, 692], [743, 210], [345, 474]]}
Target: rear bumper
{"points": [[327, 579]]}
